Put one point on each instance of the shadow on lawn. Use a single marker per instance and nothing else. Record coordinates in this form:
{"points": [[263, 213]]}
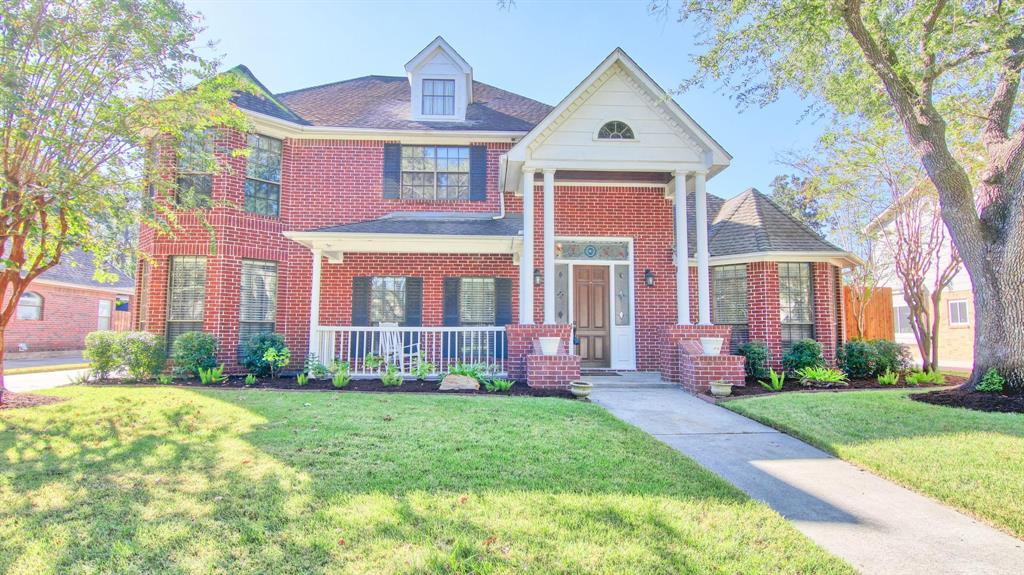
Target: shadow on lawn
{"points": [[156, 481]]}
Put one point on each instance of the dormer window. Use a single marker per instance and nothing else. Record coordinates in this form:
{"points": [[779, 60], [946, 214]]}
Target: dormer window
{"points": [[615, 130], [438, 97]]}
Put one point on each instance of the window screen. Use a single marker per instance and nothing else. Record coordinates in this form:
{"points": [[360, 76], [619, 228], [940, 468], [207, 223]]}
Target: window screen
{"points": [[476, 301], [387, 300], [186, 295], [258, 311], [438, 97], [730, 306], [263, 176], [796, 303]]}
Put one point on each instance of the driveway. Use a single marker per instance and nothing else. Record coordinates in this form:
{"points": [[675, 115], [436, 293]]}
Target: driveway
{"points": [[876, 525], [54, 359]]}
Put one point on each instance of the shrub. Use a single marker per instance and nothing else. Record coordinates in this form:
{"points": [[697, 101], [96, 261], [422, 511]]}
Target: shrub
{"points": [[890, 377], [250, 379], [143, 354], [102, 351], [255, 350], [302, 380], [498, 385], [821, 376], [373, 362], [890, 356], [163, 379], [804, 353], [757, 355], [341, 376], [314, 368], [858, 358], [916, 378], [192, 351], [477, 371], [391, 377], [776, 381], [277, 359], [424, 368], [991, 382], [210, 375]]}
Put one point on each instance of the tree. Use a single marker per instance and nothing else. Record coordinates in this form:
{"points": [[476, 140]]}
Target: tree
{"points": [[947, 73], [85, 87], [797, 196]]}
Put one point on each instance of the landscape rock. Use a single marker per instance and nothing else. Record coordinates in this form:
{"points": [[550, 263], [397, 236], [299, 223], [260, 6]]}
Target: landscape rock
{"points": [[453, 382]]}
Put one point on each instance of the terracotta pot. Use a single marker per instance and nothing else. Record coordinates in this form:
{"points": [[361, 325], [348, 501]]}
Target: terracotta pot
{"points": [[550, 345], [711, 345]]}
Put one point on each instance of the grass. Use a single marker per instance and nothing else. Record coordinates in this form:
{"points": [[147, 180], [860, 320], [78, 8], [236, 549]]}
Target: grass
{"points": [[170, 480], [971, 460]]}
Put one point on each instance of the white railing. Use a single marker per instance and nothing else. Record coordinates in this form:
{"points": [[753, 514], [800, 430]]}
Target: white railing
{"points": [[369, 350]]}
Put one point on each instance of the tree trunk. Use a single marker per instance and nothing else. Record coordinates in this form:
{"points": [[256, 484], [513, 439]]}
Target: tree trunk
{"points": [[2, 388], [936, 319], [999, 319]]}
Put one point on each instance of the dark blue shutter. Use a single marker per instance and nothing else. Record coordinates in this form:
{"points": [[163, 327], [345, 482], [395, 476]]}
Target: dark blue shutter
{"points": [[502, 311], [392, 170], [478, 173], [413, 312], [450, 315], [360, 313]]}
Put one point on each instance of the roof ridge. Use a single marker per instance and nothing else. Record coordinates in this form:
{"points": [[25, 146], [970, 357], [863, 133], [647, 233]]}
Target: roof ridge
{"points": [[795, 219], [337, 82], [243, 69]]}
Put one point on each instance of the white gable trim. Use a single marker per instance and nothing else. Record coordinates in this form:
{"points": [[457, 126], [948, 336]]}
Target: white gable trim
{"points": [[425, 54]]}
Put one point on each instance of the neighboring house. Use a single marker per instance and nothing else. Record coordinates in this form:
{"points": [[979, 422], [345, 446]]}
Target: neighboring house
{"points": [[384, 215], [63, 304]]}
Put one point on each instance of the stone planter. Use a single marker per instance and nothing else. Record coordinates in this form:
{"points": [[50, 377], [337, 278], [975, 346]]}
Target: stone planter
{"points": [[721, 388], [581, 389], [549, 345], [711, 345]]}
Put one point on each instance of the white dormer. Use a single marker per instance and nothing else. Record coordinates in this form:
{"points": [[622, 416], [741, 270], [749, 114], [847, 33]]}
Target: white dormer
{"points": [[441, 82]]}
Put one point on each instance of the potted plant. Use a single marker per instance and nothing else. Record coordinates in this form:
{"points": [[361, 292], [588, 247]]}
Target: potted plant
{"points": [[550, 345], [721, 388], [711, 345], [581, 389]]}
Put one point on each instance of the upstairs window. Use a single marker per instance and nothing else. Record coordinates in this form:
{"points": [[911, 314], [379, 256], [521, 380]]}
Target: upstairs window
{"points": [[194, 170], [30, 306], [438, 98], [958, 312], [615, 130], [263, 176], [796, 303], [435, 173]]}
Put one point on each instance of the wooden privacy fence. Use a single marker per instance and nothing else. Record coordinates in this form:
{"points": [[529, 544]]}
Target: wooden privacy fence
{"points": [[877, 319]]}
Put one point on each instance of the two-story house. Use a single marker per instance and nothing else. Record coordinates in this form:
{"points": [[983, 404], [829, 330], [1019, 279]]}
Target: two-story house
{"points": [[384, 215]]}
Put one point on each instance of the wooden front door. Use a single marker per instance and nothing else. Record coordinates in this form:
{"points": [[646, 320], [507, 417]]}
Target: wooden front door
{"points": [[590, 312]]}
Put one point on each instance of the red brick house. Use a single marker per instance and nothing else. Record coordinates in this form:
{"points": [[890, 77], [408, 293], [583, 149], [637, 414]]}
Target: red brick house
{"points": [[65, 303], [384, 216]]}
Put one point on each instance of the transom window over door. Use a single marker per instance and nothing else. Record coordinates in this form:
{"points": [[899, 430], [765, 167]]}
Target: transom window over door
{"points": [[796, 303], [435, 173], [438, 97], [263, 176]]}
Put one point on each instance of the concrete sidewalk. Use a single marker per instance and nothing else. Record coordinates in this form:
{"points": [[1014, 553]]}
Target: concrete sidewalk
{"points": [[56, 358], [44, 380], [877, 526]]}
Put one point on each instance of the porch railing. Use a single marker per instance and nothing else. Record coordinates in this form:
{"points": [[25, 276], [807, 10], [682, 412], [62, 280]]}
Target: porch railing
{"points": [[369, 350]]}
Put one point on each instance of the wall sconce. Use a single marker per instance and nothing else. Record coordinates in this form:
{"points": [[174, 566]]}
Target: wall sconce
{"points": [[536, 277], [649, 278]]}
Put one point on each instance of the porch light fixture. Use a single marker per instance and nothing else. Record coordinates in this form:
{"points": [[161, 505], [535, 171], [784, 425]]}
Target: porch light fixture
{"points": [[536, 277], [648, 278]]}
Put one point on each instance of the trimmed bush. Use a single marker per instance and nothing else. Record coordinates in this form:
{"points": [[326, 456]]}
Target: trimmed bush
{"points": [[255, 350], [102, 351], [991, 382], [192, 351], [858, 358], [143, 354], [756, 362], [802, 354], [890, 356]]}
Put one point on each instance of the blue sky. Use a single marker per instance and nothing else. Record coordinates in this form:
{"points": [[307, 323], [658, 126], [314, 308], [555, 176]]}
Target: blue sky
{"points": [[537, 49]]}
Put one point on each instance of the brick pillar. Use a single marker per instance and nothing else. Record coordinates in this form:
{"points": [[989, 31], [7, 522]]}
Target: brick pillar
{"points": [[674, 334], [763, 317], [520, 344], [825, 321]]}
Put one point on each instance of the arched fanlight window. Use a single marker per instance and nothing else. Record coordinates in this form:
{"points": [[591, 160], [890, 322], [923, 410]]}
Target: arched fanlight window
{"points": [[615, 130], [30, 306]]}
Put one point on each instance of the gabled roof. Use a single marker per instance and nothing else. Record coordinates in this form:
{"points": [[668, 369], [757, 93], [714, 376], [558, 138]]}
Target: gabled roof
{"points": [[438, 43], [752, 222], [263, 101], [77, 267]]}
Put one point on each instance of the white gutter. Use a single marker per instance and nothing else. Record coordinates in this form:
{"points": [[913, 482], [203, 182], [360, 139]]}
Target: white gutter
{"points": [[292, 130]]}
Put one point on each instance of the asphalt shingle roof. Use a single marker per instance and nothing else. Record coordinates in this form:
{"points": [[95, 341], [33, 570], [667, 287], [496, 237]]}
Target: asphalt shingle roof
{"points": [[77, 267], [434, 223], [752, 222], [264, 102]]}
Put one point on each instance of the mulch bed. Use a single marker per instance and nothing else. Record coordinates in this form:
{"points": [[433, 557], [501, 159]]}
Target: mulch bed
{"points": [[755, 388], [19, 400], [973, 400], [372, 385]]}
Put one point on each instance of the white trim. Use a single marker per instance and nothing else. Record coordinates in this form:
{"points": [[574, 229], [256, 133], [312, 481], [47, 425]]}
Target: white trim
{"points": [[314, 303], [682, 250], [840, 259], [549, 246], [128, 291], [703, 255], [526, 255], [279, 128], [635, 138], [335, 244]]}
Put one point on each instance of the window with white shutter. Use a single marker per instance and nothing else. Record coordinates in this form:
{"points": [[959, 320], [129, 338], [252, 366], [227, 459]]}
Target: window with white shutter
{"points": [[186, 295], [258, 312]]}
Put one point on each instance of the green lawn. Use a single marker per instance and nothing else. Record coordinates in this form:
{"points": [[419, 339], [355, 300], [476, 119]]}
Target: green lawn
{"points": [[969, 459], [168, 480]]}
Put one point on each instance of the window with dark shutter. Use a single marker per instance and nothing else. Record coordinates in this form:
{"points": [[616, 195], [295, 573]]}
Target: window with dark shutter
{"points": [[476, 301], [258, 310], [435, 173], [186, 295], [387, 300], [729, 284], [796, 303]]}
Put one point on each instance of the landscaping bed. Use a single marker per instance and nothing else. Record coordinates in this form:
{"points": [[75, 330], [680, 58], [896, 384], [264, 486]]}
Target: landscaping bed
{"points": [[993, 402], [754, 388], [372, 385]]}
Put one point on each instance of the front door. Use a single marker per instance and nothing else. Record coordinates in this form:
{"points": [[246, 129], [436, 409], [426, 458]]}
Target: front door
{"points": [[590, 307]]}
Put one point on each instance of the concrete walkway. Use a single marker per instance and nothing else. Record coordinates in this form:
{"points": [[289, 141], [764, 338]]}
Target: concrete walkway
{"points": [[43, 380], [877, 526], [56, 358]]}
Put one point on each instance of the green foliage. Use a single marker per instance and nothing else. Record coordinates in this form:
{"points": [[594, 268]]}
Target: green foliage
{"points": [[423, 368], [250, 379], [373, 362], [143, 354], [478, 371], [802, 354], [757, 355], [775, 382], [890, 377], [916, 378], [857, 358], [991, 382], [890, 356], [821, 376], [341, 376], [102, 351], [498, 385], [164, 379], [192, 351], [315, 368], [211, 375], [277, 359], [302, 380], [255, 350], [391, 377], [797, 196]]}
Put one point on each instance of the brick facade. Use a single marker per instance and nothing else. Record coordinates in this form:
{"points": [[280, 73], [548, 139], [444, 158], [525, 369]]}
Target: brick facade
{"points": [[69, 313]]}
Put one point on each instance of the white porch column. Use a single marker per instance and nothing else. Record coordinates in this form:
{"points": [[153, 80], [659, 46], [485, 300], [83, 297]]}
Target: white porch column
{"points": [[549, 246], [526, 259], [703, 273], [682, 253], [314, 302]]}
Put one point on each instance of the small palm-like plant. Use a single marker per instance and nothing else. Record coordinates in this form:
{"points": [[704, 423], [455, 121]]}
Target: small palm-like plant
{"points": [[890, 377], [776, 380], [212, 375]]}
